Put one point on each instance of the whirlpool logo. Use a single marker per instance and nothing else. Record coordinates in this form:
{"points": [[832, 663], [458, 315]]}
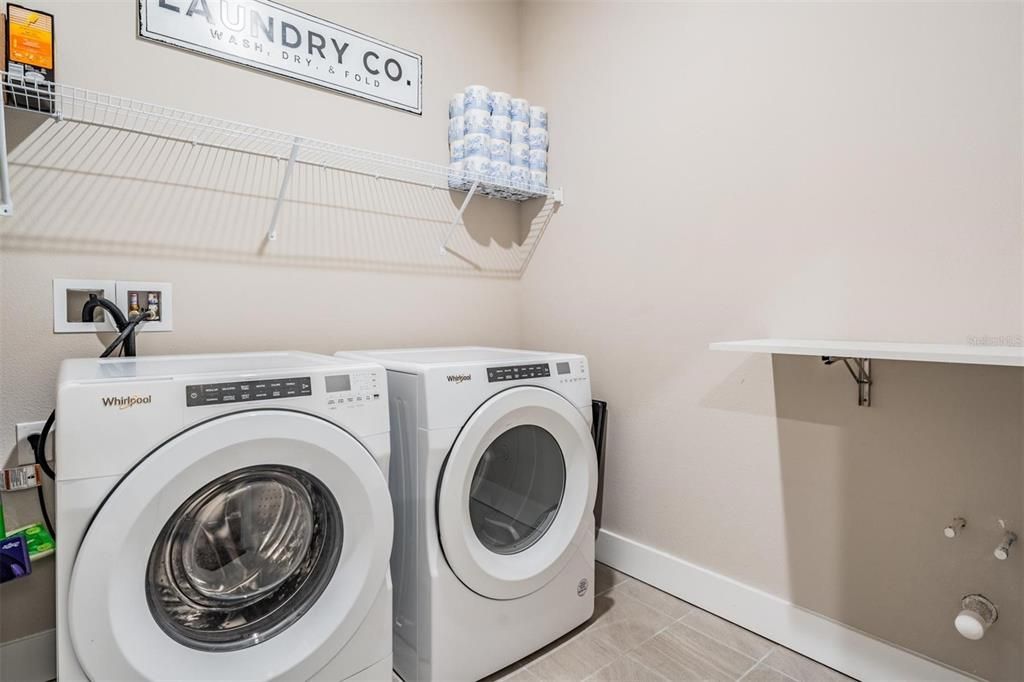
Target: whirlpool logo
{"points": [[124, 402], [459, 378]]}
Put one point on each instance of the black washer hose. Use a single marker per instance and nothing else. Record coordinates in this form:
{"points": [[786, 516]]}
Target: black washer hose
{"points": [[40, 445], [125, 339], [120, 321]]}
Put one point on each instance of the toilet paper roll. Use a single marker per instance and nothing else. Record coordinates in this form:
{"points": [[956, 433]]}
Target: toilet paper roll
{"points": [[538, 138], [500, 150], [520, 132], [538, 117], [476, 97], [501, 128], [457, 150], [520, 110], [501, 103], [477, 144], [456, 177], [457, 105], [538, 179], [500, 171], [538, 160], [520, 176], [519, 154], [456, 128], [477, 167], [477, 121]]}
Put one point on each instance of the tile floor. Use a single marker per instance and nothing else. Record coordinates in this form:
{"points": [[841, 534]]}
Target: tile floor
{"points": [[640, 634]]}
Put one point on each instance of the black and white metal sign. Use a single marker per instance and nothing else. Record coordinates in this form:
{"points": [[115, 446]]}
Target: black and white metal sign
{"points": [[268, 36]]}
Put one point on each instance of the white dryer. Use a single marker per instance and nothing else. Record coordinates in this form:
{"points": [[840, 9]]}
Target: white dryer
{"points": [[223, 517], [493, 477]]}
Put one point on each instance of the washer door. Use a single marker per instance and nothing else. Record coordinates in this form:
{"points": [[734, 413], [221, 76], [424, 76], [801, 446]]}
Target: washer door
{"points": [[516, 488], [249, 547]]}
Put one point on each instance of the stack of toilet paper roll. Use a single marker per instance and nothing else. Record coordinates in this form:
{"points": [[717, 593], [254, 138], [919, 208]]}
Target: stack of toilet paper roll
{"points": [[537, 139], [457, 141], [495, 137]]}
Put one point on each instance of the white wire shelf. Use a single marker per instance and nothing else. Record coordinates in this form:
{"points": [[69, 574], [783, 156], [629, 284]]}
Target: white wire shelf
{"points": [[80, 105]]}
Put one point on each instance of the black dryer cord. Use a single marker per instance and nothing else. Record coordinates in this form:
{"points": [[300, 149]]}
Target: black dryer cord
{"points": [[34, 442]]}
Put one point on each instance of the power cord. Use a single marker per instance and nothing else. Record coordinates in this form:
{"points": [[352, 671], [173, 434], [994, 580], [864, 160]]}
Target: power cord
{"points": [[34, 442], [125, 343]]}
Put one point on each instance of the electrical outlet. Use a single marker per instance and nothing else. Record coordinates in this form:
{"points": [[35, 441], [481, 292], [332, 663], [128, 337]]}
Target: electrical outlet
{"points": [[26, 454]]}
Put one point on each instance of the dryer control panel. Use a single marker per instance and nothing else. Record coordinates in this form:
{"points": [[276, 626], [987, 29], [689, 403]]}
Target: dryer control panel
{"points": [[247, 391], [348, 390], [571, 371], [515, 372]]}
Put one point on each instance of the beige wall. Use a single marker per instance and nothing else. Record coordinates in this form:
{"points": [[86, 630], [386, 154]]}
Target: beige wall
{"points": [[732, 170], [808, 170], [363, 274]]}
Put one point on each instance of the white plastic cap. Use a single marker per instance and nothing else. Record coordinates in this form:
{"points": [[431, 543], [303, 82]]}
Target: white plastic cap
{"points": [[950, 532], [970, 624]]}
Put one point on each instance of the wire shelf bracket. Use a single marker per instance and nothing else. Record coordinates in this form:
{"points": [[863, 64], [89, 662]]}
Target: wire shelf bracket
{"points": [[458, 217], [861, 375], [272, 230]]}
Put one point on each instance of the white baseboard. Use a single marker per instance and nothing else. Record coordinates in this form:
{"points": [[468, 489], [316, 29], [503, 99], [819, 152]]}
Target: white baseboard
{"points": [[836, 645], [30, 659]]}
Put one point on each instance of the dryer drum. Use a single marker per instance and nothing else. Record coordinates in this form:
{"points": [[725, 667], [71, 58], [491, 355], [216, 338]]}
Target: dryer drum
{"points": [[517, 489], [244, 557]]}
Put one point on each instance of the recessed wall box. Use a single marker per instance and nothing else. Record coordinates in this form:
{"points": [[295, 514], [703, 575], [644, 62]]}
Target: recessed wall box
{"points": [[69, 295], [135, 297]]}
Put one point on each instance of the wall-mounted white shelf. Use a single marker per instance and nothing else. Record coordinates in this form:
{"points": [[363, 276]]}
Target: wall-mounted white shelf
{"points": [[79, 105], [1009, 356], [857, 355]]}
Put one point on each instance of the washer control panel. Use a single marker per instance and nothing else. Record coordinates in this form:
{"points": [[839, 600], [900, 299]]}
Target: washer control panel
{"points": [[350, 390], [515, 372], [247, 391]]}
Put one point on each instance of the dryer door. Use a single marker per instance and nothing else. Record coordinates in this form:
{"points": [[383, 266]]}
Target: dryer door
{"points": [[516, 492], [248, 547]]}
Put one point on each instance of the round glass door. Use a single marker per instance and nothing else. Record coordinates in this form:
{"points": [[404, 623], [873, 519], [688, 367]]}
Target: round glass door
{"points": [[517, 489], [221, 555], [516, 495], [243, 558]]}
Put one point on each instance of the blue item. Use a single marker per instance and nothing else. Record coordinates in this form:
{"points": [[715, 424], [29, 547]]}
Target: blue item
{"points": [[14, 561]]}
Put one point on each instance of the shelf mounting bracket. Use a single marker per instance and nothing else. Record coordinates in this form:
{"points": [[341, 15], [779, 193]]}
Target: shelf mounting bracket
{"points": [[458, 217], [6, 202], [860, 370], [272, 230]]}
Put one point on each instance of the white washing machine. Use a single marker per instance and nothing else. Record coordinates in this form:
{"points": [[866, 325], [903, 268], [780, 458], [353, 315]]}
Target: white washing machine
{"points": [[493, 477], [223, 517]]}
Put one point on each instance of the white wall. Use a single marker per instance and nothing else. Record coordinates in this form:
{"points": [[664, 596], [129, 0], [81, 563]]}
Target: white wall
{"points": [[364, 275], [821, 170]]}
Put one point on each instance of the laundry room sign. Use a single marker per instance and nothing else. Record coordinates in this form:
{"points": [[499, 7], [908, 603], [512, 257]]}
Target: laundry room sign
{"points": [[271, 37]]}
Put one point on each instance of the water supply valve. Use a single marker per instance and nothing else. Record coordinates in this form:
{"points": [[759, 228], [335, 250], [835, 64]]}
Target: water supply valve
{"points": [[1002, 551], [954, 528]]}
